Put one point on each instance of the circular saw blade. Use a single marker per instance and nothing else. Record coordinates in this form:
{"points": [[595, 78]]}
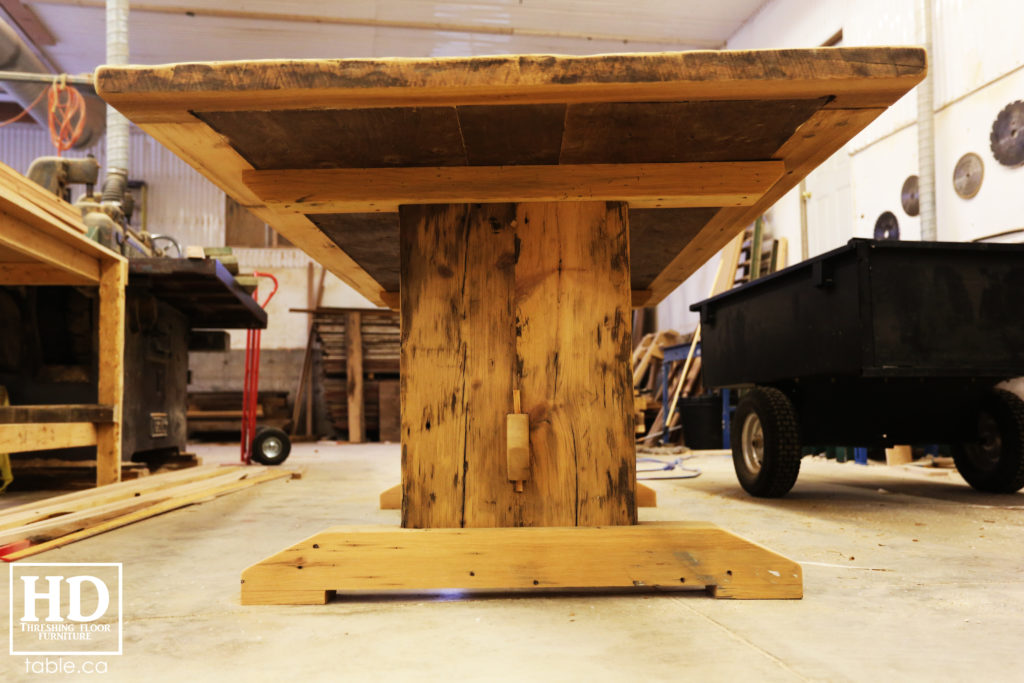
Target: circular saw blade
{"points": [[1007, 137], [887, 227], [968, 174], [909, 197]]}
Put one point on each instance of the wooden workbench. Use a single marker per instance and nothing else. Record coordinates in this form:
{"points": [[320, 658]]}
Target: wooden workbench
{"points": [[43, 242], [515, 208]]}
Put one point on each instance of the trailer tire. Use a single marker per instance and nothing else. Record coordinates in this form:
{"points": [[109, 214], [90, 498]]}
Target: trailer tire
{"points": [[995, 462], [765, 438], [271, 446]]}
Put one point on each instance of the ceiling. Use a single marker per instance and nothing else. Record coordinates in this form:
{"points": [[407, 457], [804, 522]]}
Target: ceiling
{"points": [[70, 33]]}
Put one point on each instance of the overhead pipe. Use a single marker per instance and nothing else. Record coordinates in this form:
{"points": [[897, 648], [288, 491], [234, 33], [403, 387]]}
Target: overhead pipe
{"points": [[15, 56], [116, 181], [926, 131]]}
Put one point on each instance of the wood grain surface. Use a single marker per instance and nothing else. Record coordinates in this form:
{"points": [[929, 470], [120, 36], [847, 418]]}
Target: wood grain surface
{"points": [[534, 297]]}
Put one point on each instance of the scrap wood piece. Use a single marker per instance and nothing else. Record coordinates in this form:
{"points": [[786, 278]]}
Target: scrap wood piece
{"points": [[184, 497]]}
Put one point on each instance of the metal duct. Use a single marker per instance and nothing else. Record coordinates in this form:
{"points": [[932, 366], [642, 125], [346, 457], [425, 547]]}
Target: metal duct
{"points": [[117, 125], [926, 133], [16, 56]]}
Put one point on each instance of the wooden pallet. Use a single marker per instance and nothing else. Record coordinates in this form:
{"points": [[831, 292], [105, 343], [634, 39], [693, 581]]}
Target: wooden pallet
{"points": [[372, 401]]}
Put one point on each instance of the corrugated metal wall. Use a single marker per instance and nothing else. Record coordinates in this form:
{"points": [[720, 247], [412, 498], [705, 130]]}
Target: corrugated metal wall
{"points": [[180, 201]]}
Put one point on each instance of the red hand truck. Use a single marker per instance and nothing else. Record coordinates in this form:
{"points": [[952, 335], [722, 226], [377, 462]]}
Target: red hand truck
{"points": [[266, 445]]}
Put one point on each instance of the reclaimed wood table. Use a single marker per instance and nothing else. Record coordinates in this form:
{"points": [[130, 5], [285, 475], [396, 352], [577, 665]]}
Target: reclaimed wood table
{"points": [[514, 208]]}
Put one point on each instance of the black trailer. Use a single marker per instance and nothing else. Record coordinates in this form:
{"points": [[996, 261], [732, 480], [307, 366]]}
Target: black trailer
{"points": [[874, 344]]}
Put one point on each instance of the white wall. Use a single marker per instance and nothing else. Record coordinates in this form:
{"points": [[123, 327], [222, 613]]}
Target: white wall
{"points": [[978, 67]]}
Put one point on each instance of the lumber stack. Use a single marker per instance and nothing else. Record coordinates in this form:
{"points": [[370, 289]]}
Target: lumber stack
{"points": [[43, 525], [648, 381], [381, 340], [214, 413]]}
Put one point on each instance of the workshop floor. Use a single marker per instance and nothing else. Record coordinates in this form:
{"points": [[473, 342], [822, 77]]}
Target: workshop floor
{"points": [[909, 575]]}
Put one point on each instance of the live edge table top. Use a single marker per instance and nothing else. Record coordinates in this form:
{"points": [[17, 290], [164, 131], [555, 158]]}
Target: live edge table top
{"points": [[697, 143]]}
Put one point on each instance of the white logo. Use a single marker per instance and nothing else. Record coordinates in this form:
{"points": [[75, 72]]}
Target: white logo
{"points": [[65, 609]]}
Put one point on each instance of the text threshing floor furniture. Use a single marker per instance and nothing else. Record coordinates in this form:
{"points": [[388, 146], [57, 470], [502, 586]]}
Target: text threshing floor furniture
{"points": [[43, 242], [514, 208]]}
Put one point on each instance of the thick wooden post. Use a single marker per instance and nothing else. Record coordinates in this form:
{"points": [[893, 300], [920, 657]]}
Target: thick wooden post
{"points": [[354, 374], [110, 390], [534, 297]]}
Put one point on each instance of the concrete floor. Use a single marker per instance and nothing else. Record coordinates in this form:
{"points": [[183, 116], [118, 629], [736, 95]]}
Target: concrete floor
{"points": [[909, 575]]}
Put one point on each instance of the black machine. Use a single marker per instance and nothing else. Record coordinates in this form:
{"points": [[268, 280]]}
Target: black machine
{"points": [[49, 350], [876, 343]]}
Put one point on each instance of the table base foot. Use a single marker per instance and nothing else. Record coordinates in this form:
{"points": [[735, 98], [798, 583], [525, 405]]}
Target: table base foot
{"points": [[650, 556]]}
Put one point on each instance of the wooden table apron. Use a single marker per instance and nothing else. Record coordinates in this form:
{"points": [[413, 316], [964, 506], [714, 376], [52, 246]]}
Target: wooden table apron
{"points": [[532, 297]]}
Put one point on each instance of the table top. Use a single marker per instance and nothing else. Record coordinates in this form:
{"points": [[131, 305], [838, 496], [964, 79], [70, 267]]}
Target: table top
{"points": [[698, 143]]}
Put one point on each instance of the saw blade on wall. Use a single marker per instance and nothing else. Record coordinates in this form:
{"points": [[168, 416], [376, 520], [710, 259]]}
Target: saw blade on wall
{"points": [[1007, 137], [968, 174], [909, 197], [887, 227]]}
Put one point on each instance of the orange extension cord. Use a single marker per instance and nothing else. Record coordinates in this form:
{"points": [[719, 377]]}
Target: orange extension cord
{"points": [[66, 114]]}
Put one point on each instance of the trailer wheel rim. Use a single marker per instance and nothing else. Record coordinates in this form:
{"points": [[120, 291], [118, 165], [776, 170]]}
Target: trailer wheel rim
{"points": [[986, 452], [753, 443], [271, 447]]}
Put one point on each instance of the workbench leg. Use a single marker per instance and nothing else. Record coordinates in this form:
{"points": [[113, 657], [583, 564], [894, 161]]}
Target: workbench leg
{"points": [[528, 297], [354, 375], [113, 279]]}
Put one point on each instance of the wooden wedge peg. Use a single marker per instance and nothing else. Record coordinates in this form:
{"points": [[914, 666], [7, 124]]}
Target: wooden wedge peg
{"points": [[517, 443]]}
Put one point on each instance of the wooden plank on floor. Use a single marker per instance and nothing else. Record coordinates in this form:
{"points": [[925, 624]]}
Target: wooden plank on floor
{"points": [[80, 500], [59, 525], [181, 499]]}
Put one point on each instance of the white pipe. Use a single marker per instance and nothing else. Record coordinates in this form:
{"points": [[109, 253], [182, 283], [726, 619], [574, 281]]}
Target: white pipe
{"points": [[117, 53], [926, 131]]}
